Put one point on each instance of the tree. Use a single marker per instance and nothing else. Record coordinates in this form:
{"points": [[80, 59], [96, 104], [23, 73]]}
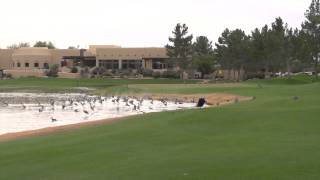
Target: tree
{"points": [[277, 38], [73, 47], [258, 51], [181, 48], [293, 48], [311, 28], [203, 57], [233, 50], [20, 45], [304, 52], [266, 48], [222, 50], [202, 46], [274, 49], [48, 44], [204, 63]]}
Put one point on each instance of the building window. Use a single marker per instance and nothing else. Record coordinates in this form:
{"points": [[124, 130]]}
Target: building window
{"points": [[45, 65], [109, 64], [18, 64], [63, 63], [159, 64], [36, 65], [26, 65], [131, 64]]}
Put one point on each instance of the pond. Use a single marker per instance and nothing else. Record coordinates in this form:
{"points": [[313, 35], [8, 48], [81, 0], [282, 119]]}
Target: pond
{"points": [[29, 111]]}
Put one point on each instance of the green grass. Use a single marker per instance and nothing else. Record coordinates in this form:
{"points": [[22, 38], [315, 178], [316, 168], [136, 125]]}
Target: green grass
{"points": [[69, 85], [273, 137], [298, 79]]}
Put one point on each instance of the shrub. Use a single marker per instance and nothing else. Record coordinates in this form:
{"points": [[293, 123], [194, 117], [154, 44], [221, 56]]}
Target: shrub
{"points": [[128, 72], [8, 76], [53, 71], [115, 71], [108, 74], [156, 74], [98, 71], [171, 74], [84, 72], [255, 75], [147, 72], [74, 70]]}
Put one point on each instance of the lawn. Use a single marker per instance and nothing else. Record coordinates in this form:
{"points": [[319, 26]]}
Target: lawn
{"points": [[272, 137], [31, 84]]}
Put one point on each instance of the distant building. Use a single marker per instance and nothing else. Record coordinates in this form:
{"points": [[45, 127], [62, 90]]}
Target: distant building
{"points": [[34, 61]]}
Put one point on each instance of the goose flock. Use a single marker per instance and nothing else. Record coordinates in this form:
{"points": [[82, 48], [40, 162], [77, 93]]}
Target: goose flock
{"points": [[46, 110]]}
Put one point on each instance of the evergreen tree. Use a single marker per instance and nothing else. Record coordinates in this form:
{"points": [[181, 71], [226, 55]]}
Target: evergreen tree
{"points": [[203, 58], [222, 50], [293, 49], [202, 46], [181, 48], [233, 49], [17, 46], [258, 51], [277, 39], [48, 44], [311, 28]]}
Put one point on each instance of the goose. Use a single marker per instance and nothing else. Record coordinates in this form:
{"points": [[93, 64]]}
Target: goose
{"points": [[85, 111], [295, 98], [5, 103], [24, 106], [41, 108], [92, 107], [53, 119]]}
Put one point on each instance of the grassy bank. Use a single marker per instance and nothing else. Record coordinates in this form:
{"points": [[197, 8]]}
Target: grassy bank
{"points": [[273, 137], [73, 85]]}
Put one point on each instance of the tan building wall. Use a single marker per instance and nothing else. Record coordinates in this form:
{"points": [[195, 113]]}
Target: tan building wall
{"points": [[6, 59], [147, 63], [57, 54], [93, 48], [26, 61], [130, 53], [31, 58], [16, 73], [38, 58]]}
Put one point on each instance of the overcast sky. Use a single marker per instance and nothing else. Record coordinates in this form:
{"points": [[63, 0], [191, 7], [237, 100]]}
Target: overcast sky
{"points": [[135, 23]]}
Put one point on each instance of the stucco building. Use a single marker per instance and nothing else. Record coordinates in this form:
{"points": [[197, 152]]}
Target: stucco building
{"points": [[34, 61]]}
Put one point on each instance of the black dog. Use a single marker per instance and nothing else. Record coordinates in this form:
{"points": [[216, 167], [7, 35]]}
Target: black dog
{"points": [[201, 102]]}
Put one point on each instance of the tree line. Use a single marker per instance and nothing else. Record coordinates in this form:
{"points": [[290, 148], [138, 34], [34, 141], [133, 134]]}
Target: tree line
{"points": [[266, 50], [47, 44]]}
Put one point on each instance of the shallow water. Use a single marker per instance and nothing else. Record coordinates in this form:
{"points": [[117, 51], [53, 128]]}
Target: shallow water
{"points": [[27, 111]]}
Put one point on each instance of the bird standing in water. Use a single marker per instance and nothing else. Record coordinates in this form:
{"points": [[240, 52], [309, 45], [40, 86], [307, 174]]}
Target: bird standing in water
{"points": [[53, 119]]}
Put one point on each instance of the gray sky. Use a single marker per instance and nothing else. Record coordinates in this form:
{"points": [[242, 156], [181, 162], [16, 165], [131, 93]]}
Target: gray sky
{"points": [[135, 23]]}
